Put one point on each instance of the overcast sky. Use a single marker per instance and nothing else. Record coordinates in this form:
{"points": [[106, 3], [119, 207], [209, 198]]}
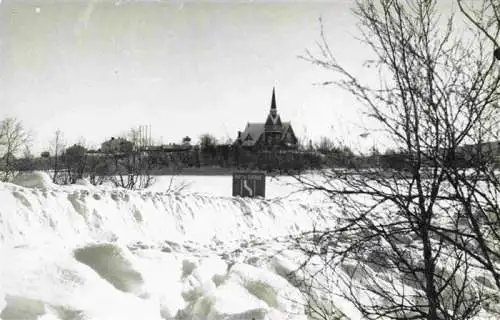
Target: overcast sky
{"points": [[93, 69]]}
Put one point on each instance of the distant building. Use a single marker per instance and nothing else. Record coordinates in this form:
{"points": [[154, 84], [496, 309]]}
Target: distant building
{"points": [[117, 145], [272, 134], [186, 141]]}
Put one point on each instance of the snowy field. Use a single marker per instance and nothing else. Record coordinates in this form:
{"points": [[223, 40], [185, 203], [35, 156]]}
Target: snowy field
{"points": [[98, 253], [81, 252], [277, 188]]}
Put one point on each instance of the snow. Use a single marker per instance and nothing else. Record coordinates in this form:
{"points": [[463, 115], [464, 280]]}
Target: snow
{"points": [[49, 281], [33, 180], [86, 252], [284, 187], [78, 214], [99, 253], [273, 289]]}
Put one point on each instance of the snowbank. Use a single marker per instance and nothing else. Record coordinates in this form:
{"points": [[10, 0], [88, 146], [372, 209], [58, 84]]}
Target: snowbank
{"points": [[50, 282], [275, 290], [35, 179], [34, 210], [108, 281], [83, 252], [114, 264]]}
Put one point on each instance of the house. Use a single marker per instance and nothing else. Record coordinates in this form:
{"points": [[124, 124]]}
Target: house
{"points": [[116, 145], [271, 134]]}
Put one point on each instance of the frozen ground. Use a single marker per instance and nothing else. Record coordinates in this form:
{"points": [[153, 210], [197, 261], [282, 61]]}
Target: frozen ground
{"points": [[283, 187], [80, 252], [86, 253]]}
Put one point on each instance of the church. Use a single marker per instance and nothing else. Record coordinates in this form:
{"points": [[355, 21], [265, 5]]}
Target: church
{"points": [[273, 134]]}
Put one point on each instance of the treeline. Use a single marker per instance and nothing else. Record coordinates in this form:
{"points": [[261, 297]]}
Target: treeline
{"points": [[229, 156], [131, 165], [131, 162], [125, 169]]}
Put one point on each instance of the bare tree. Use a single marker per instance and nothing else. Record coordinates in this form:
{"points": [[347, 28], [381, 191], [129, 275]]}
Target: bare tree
{"points": [[207, 141], [133, 171], [75, 162], [485, 16], [57, 147], [130, 166], [98, 168], [13, 140], [27, 162], [325, 145], [420, 243]]}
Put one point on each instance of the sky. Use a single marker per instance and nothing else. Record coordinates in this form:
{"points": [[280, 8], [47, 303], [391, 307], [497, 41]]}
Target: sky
{"points": [[94, 69]]}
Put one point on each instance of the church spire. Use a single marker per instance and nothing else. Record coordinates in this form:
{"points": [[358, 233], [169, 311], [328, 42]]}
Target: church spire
{"points": [[273, 102], [273, 119]]}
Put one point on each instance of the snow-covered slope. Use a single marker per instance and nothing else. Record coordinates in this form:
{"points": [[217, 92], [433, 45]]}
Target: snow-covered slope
{"points": [[80, 252], [85, 253], [76, 214]]}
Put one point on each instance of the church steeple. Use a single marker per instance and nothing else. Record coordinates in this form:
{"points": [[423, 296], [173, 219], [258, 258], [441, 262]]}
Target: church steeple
{"points": [[273, 119], [273, 102]]}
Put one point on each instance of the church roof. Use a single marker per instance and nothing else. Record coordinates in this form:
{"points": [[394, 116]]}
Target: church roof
{"points": [[273, 124], [255, 130]]}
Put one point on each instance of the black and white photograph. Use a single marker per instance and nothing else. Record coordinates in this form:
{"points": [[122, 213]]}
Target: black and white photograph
{"points": [[249, 159]]}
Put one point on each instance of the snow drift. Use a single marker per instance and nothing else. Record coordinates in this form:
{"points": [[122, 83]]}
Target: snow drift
{"points": [[37, 211], [86, 253], [81, 252]]}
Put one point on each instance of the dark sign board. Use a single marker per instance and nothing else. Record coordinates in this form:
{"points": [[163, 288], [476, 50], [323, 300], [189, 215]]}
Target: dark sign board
{"points": [[249, 184]]}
